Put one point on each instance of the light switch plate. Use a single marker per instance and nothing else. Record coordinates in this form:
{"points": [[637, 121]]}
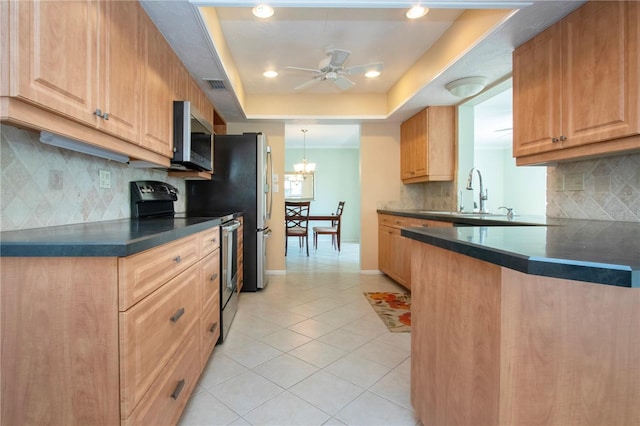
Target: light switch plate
{"points": [[275, 178], [276, 188], [105, 179]]}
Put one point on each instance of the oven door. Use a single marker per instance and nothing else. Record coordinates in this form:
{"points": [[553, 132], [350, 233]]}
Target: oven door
{"points": [[229, 261]]}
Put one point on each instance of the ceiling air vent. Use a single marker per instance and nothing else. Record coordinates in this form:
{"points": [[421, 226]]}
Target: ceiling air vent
{"points": [[216, 84]]}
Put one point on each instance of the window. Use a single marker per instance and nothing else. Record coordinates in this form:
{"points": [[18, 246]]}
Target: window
{"points": [[299, 187]]}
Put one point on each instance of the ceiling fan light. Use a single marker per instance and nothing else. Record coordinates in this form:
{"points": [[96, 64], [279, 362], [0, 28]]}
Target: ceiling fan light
{"points": [[416, 12], [466, 87], [372, 74], [270, 74], [262, 11]]}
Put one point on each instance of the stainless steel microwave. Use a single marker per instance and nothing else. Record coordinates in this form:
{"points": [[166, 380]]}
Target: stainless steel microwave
{"points": [[192, 139]]}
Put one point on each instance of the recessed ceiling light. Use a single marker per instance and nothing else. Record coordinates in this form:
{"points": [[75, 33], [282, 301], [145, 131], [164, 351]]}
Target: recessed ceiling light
{"points": [[417, 12], [372, 74], [270, 74], [262, 11]]}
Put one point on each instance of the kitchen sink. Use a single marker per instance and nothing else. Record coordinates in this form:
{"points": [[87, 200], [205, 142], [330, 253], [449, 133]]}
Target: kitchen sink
{"points": [[474, 214]]}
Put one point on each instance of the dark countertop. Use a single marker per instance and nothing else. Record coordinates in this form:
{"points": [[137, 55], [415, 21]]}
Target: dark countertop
{"points": [[602, 252], [115, 238], [475, 219]]}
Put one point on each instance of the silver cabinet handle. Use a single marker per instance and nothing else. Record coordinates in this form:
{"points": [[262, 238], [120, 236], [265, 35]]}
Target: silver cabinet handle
{"points": [[98, 112], [213, 277], [555, 140], [563, 138], [106, 116], [177, 259], [213, 327], [178, 389], [175, 317]]}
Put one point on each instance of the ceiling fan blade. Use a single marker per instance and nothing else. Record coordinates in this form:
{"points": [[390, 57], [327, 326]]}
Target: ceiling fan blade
{"points": [[306, 84], [344, 83], [302, 69], [338, 57], [361, 69]]}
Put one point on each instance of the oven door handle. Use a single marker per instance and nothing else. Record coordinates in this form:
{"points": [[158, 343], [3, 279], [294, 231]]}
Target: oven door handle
{"points": [[232, 227]]}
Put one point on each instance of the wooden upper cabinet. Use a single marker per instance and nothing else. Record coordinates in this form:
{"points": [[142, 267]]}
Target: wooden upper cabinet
{"points": [[575, 86], [537, 93], [120, 71], [200, 101], [81, 59], [427, 146], [54, 64], [159, 67], [601, 73]]}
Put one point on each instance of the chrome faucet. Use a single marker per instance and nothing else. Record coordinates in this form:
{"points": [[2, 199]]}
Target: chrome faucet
{"points": [[484, 193]]}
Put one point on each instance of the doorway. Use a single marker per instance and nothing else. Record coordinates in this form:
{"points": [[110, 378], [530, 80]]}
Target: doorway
{"points": [[335, 150]]}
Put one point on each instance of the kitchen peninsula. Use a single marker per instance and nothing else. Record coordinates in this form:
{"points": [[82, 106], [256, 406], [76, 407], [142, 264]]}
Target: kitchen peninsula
{"points": [[526, 324]]}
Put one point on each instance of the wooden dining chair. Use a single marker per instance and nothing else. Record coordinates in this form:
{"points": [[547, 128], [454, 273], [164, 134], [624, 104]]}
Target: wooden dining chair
{"points": [[333, 230], [297, 222]]}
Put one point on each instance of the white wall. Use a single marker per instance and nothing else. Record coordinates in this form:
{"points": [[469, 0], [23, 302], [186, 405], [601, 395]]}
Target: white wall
{"points": [[522, 188], [337, 178]]}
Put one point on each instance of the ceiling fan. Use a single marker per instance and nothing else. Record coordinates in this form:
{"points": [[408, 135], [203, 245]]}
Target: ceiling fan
{"points": [[332, 69]]}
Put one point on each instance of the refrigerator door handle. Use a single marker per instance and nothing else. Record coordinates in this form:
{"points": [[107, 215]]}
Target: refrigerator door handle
{"points": [[270, 181]]}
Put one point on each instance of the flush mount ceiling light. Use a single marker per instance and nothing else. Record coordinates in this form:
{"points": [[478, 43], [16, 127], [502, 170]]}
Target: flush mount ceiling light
{"points": [[372, 74], [416, 12], [262, 11], [466, 87], [270, 74], [304, 167]]}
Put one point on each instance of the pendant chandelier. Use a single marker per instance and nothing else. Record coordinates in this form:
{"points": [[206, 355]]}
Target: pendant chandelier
{"points": [[304, 167]]}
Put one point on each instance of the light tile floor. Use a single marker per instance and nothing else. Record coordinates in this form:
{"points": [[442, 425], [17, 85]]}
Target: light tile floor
{"points": [[308, 350]]}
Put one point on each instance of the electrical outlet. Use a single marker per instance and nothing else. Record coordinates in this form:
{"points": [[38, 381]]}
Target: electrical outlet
{"points": [[105, 179], [575, 182], [276, 188]]}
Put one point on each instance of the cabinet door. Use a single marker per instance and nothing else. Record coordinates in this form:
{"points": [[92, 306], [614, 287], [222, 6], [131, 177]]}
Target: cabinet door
{"points": [[159, 62], [56, 56], [600, 86], [537, 94], [406, 140], [401, 255], [120, 73], [418, 160], [384, 249]]}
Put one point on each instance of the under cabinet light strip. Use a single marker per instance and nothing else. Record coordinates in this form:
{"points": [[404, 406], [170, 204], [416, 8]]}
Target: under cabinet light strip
{"points": [[85, 148]]}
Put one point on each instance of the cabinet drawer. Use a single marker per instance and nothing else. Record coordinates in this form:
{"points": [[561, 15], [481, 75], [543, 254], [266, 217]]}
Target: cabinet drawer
{"points": [[144, 272], [152, 331], [209, 329], [211, 277], [209, 241], [393, 221], [168, 395]]}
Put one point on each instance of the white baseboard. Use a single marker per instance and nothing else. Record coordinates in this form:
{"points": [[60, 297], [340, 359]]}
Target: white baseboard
{"points": [[276, 272]]}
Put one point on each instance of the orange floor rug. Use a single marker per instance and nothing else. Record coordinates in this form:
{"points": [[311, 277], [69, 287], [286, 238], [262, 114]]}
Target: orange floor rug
{"points": [[394, 309]]}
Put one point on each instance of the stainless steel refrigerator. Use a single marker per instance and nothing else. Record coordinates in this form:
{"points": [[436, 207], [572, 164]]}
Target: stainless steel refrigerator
{"points": [[241, 182]]}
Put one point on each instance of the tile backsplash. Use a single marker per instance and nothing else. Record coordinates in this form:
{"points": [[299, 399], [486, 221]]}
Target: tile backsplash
{"points": [[41, 185], [601, 188]]}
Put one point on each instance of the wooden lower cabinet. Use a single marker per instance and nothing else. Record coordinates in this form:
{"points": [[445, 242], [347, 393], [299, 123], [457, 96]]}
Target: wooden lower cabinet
{"points": [[73, 353], [394, 250], [494, 346]]}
